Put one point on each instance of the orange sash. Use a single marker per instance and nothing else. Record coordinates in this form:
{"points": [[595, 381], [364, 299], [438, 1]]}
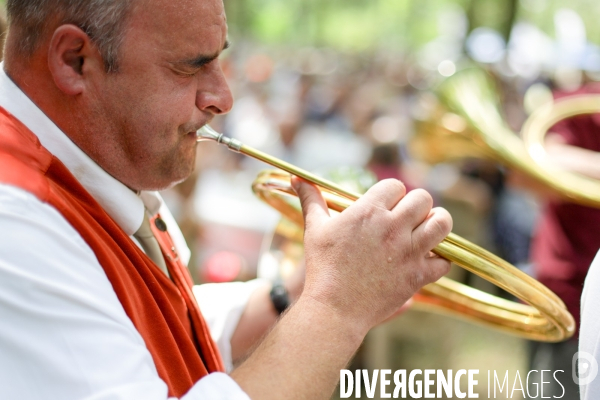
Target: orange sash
{"points": [[164, 312]]}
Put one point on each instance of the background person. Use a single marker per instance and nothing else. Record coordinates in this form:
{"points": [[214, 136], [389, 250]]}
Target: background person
{"points": [[565, 240]]}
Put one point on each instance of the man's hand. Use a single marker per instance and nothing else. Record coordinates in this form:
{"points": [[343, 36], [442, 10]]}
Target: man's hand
{"points": [[361, 266], [369, 260]]}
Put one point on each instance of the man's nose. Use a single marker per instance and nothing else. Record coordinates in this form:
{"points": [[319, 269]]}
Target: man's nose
{"points": [[213, 94]]}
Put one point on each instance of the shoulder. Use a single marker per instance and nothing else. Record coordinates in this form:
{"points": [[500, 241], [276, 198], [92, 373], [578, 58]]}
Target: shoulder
{"points": [[60, 308], [38, 246], [27, 219]]}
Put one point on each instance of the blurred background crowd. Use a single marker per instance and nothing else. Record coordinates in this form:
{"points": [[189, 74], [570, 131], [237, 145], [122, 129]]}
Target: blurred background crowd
{"points": [[345, 88], [349, 87], [349, 83]]}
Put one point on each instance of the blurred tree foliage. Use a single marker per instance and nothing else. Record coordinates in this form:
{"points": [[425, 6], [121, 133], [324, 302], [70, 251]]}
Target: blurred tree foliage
{"points": [[355, 25], [401, 24]]}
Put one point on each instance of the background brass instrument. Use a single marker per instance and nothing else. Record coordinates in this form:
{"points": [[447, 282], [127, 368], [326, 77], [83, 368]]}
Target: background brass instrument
{"points": [[544, 319], [541, 120], [467, 122]]}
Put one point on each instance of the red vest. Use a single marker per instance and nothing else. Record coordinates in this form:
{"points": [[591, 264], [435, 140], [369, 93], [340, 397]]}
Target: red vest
{"points": [[163, 311]]}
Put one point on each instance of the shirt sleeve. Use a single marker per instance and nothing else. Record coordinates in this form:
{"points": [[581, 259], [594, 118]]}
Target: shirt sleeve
{"points": [[222, 305], [64, 332]]}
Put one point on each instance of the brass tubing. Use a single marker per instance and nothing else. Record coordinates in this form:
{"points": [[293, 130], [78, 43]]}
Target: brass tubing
{"points": [[545, 319]]}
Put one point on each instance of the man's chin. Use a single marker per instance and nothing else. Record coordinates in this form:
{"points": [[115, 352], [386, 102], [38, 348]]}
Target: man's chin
{"points": [[166, 177], [157, 185], [175, 183]]}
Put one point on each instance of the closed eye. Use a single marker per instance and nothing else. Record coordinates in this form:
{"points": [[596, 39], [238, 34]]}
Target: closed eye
{"points": [[190, 73], [194, 65]]}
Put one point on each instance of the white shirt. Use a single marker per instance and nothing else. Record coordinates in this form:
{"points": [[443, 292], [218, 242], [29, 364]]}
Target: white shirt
{"points": [[63, 332], [589, 333]]}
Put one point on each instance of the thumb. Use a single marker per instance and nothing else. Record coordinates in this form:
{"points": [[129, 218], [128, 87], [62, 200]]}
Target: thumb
{"points": [[314, 208]]}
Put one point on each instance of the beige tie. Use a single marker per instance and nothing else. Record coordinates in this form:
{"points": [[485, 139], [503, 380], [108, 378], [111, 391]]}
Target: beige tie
{"points": [[150, 245]]}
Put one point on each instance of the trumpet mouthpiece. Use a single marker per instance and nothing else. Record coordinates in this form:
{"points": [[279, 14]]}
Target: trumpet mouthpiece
{"points": [[207, 133]]}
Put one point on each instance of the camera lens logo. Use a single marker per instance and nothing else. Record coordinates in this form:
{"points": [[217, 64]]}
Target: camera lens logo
{"points": [[585, 368]]}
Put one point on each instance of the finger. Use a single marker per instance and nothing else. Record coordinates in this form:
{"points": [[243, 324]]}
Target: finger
{"points": [[384, 194], [433, 230], [436, 268], [414, 208], [314, 207]]}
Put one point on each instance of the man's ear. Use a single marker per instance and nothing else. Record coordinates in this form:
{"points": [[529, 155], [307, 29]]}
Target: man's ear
{"points": [[71, 56]]}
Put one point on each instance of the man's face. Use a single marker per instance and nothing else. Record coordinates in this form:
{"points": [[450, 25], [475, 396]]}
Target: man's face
{"points": [[168, 85]]}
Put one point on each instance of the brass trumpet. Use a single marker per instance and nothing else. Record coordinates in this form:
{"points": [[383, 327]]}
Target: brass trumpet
{"points": [[545, 318]]}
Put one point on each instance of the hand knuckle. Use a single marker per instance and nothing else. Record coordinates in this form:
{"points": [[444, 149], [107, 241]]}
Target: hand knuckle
{"points": [[394, 184], [441, 268], [443, 221], [391, 232], [430, 276], [417, 279], [440, 228], [367, 212], [423, 196]]}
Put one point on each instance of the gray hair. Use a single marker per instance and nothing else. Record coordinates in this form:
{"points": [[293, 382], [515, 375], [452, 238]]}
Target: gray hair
{"points": [[102, 20]]}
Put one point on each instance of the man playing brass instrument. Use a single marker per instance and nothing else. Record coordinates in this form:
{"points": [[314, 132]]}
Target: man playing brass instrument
{"points": [[99, 105]]}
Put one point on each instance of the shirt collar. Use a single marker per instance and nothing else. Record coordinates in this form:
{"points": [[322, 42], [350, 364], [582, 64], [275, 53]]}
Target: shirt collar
{"points": [[120, 202]]}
